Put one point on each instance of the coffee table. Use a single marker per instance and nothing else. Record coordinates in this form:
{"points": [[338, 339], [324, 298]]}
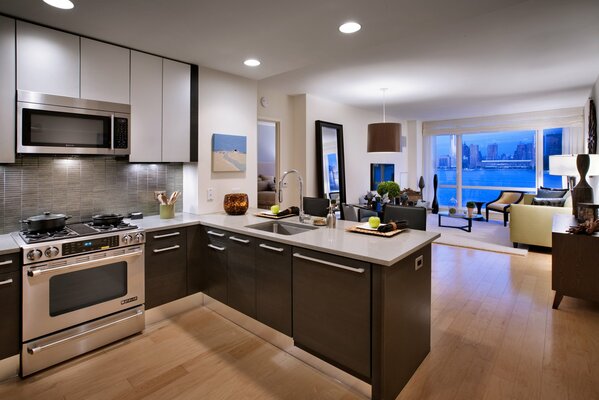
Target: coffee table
{"points": [[465, 228]]}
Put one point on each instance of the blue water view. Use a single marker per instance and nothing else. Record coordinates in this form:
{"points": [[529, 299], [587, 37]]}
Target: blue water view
{"points": [[513, 178]]}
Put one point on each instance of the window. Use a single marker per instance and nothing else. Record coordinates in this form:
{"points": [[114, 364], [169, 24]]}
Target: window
{"points": [[477, 166]]}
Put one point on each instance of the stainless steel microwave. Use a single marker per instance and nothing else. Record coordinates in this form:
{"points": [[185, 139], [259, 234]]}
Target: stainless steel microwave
{"points": [[48, 124]]}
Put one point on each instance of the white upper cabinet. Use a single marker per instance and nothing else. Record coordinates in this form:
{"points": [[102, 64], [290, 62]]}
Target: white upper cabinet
{"points": [[7, 90], [104, 72], [47, 60], [146, 108], [176, 85]]}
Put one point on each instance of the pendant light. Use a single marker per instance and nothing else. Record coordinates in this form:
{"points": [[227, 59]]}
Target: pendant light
{"points": [[384, 137]]}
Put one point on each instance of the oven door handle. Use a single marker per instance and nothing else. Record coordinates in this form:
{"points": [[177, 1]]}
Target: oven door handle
{"points": [[34, 272], [37, 349]]}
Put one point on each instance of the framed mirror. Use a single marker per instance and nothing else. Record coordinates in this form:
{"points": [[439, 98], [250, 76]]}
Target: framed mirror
{"points": [[330, 164]]}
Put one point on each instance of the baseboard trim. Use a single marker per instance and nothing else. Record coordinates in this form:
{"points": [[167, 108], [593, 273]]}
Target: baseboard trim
{"points": [[9, 367], [168, 310], [285, 343]]}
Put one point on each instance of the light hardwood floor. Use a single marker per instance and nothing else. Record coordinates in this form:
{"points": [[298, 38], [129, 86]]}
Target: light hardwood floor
{"points": [[494, 336]]}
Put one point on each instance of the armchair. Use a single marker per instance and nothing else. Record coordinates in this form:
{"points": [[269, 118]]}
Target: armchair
{"points": [[503, 202]]}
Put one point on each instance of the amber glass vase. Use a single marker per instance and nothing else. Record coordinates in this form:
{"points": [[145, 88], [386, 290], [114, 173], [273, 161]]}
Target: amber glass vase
{"points": [[236, 203]]}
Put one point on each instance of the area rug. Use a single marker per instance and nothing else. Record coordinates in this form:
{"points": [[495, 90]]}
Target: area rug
{"points": [[489, 236]]}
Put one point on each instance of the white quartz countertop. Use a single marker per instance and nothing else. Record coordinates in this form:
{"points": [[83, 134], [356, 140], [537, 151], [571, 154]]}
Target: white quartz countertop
{"points": [[8, 245], [378, 250], [154, 223]]}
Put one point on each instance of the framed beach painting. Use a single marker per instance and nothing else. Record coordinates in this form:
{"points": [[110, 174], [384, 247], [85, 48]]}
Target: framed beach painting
{"points": [[228, 153]]}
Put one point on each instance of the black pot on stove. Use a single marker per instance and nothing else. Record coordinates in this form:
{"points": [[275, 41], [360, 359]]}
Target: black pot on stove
{"points": [[107, 219], [46, 222]]}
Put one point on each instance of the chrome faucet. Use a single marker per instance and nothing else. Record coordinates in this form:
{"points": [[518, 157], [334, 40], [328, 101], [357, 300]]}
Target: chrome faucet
{"points": [[301, 191]]}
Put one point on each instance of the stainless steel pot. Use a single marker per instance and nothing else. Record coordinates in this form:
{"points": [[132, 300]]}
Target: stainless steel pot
{"points": [[46, 222]]}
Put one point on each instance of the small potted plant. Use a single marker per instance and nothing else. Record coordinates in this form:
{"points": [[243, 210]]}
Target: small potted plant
{"points": [[389, 188], [470, 206]]}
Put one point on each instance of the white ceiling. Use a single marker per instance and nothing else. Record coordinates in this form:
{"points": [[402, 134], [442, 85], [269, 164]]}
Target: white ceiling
{"points": [[439, 58]]}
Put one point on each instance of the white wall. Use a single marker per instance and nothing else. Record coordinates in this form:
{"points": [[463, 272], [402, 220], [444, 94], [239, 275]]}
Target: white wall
{"points": [[227, 105]]}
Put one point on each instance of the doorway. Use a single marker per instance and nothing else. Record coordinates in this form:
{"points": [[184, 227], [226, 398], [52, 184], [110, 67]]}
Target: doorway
{"points": [[268, 162]]}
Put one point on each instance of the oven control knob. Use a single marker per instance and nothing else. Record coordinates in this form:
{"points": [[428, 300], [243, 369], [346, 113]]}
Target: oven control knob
{"points": [[51, 252], [127, 239], [34, 254], [139, 237]]}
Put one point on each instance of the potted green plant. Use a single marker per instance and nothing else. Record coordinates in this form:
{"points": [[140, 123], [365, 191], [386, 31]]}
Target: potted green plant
{"points": [[453, 206], [470, 206], [389, 188]]}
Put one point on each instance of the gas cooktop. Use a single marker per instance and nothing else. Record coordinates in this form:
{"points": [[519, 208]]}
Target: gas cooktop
{"points": [[73, 231]]}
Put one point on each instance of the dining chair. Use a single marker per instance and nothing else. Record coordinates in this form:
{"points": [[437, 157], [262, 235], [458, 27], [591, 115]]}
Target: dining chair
{"points": [[415, 216], [316, 206]]}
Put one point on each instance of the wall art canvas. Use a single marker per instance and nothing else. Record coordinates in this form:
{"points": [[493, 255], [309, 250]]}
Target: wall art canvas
{"points": [[228, 153]]}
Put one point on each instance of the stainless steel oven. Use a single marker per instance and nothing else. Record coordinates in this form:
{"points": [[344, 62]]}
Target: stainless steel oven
{"points": [[80, 293], [49, 124]]}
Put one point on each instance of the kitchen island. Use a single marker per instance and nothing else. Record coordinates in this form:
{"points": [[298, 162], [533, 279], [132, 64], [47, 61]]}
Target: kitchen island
{"points": [[360, 303]]}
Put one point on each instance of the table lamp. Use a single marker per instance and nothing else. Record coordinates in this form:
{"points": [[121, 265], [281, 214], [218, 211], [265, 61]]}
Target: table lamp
{"points": [[571, 165]]}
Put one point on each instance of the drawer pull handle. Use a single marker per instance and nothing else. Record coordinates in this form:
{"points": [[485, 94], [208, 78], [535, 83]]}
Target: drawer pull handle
{"points": [[6, 282], [267, 247], [330, 264], [167, 235], [6, 262], [219, 234], [236, 239], [216, 247], [175, 247]]}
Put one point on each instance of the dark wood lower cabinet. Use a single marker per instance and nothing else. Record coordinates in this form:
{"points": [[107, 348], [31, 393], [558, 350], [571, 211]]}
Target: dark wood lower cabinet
{"points": [[10, 305], [166, 266], [331, 309], [574, 269], [213, 248], [401, 322], [241, 276], [273, 285], [194, 260]]}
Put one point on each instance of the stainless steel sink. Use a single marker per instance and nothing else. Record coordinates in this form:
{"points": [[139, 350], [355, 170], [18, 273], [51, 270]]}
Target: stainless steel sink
{"points": [[282, 228]]}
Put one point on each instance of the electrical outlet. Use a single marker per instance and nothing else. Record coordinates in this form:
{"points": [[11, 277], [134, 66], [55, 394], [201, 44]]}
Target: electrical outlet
{"points": [[235, 190], [210, 194]]}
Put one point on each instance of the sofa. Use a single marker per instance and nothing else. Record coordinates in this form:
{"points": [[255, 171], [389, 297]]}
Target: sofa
{"points": [[532, 224], [266, 191]]}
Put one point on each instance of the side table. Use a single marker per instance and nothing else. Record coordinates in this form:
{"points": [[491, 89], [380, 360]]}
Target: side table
{"points": [[574, 262]]}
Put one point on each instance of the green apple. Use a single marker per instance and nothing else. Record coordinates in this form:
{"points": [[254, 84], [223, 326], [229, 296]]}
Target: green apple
{"points": [[374, 222], [275, 209]]}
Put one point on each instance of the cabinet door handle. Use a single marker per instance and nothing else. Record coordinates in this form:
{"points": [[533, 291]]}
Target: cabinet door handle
{"points": [[267, 247], [6, 262], [167, 235], [330, 264], [236, 239], [175, 247], [219, 234], [216, 247], [6, 282]]}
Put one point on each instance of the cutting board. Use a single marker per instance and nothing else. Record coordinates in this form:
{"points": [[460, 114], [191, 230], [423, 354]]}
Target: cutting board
{"points": [[358, 229], [273, 216]]}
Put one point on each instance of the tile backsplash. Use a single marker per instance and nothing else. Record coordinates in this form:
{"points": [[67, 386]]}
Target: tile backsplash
{"points": [[81, 187]]}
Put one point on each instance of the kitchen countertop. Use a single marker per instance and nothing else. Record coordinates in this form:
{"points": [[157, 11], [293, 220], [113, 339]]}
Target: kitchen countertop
{"points": [[378, 250], [154, 223], [8, 245]]}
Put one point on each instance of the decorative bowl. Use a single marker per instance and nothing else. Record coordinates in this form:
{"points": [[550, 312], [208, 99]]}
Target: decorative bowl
{"points": [[236, 203]]}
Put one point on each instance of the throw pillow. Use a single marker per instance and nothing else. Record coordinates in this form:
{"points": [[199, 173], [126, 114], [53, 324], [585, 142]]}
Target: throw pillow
{"points": [[549, 202], [549, 193], [272, 186]]}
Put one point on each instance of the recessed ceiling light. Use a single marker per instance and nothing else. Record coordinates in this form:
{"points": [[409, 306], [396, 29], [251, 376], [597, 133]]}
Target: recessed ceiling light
{"points": [[251, 62], [64, 4], [350, 27]]}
